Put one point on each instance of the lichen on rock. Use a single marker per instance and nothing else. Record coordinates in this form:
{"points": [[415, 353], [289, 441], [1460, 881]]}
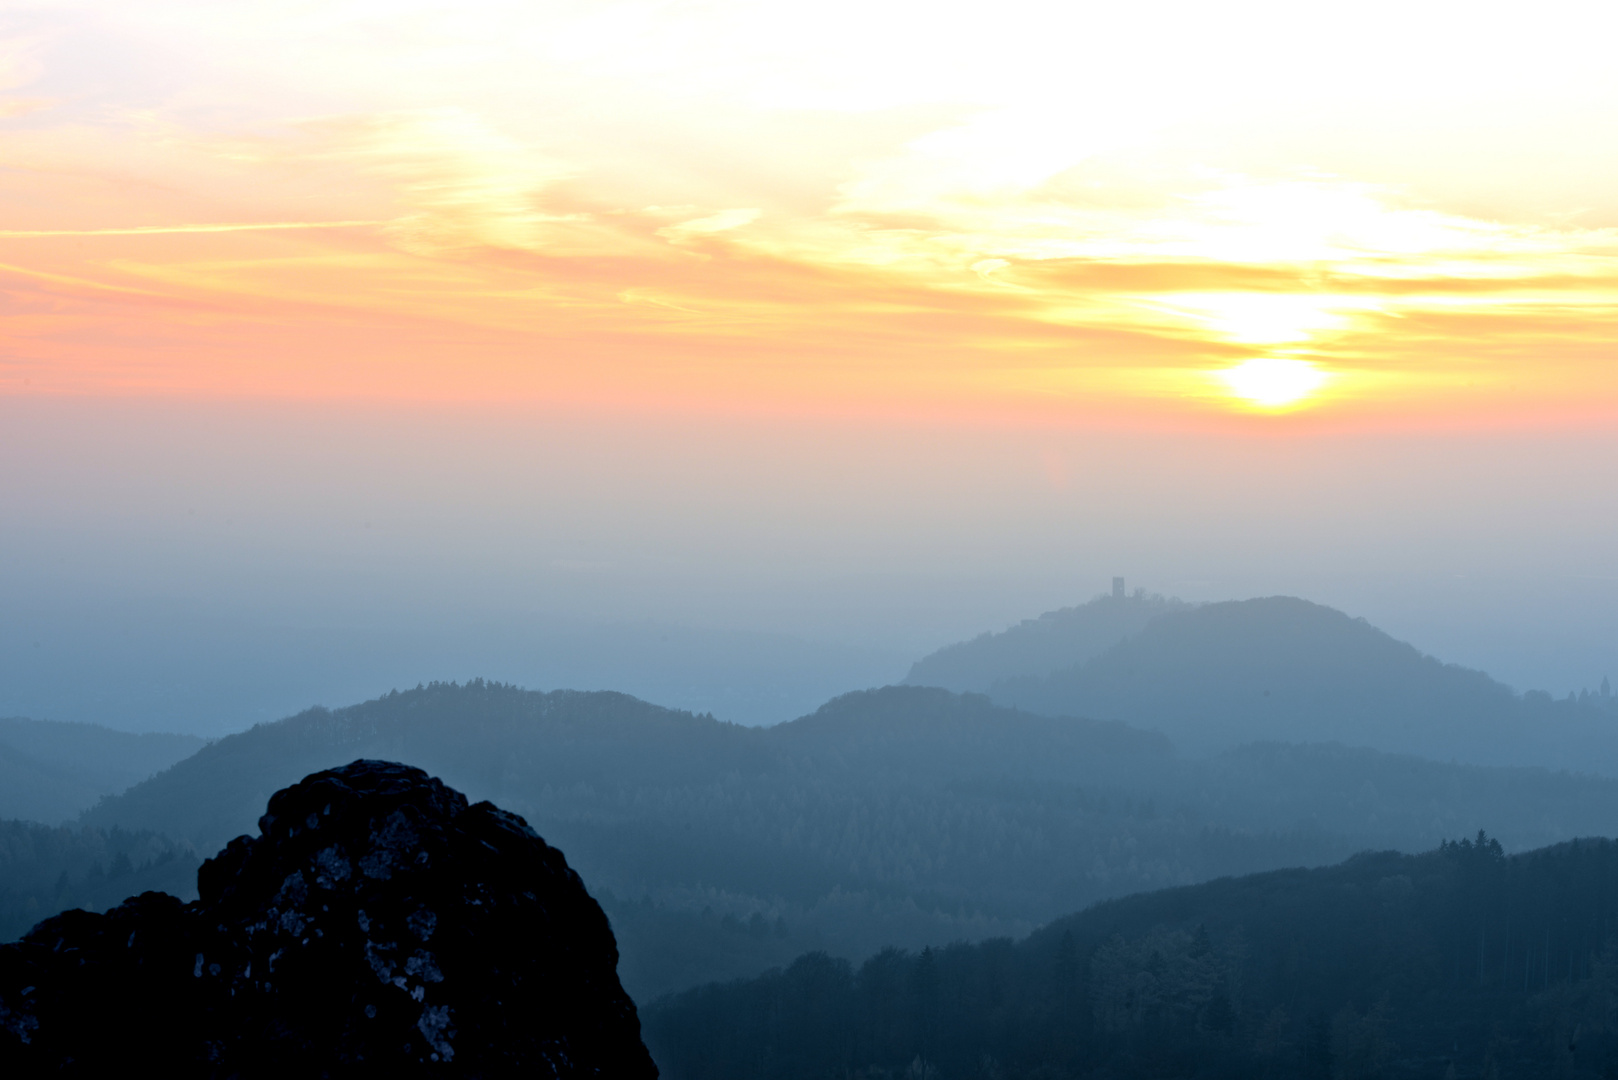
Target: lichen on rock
{"points": [[378, 925]]}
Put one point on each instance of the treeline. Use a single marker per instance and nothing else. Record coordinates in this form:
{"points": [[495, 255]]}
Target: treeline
{"points": [[1458, 963], [46, 869]]}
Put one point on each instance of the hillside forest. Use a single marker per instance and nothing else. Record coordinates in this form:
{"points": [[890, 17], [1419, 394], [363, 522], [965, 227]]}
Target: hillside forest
{"points": [[1458, 962]]}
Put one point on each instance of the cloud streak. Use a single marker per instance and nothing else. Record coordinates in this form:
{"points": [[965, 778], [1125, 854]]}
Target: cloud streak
{"points": [[175, 230]]}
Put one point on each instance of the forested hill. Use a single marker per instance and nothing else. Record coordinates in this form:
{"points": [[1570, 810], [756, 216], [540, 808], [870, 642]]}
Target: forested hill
{"points": [[519, 745], [482, 738], [1285, 669], [45, 869], [1037, 647], [50, 770], [898, 816], [1461, 962]]}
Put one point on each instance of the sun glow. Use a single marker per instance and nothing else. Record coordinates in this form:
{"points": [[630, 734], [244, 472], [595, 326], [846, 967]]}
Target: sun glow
{"points": [[1273, 382]]}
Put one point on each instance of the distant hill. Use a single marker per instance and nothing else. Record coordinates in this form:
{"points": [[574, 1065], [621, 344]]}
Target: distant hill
{"points": [[50, 771], [905, 815], [1285, 669], [1037, 647], [1460, 962], [483, 738]]}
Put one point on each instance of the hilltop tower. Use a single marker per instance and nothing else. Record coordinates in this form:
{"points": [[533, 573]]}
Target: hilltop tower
{"points": [[1117, 588]]}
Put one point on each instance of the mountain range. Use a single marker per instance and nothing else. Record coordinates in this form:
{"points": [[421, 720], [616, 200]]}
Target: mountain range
{"points": [[900, 816], [915, 815]]}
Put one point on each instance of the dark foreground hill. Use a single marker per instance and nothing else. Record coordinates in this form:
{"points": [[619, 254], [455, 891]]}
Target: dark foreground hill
{"points": [[378, 927], [50, 771], [1461, 962], [903, 816], [1285, 669]]}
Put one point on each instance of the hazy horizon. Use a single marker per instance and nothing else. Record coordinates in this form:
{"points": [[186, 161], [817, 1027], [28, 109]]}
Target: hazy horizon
{"points": [[354, 345], [231, 563]]}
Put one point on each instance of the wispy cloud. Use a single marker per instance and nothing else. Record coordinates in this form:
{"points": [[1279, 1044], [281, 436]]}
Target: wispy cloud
{"points": [[175, 230]]}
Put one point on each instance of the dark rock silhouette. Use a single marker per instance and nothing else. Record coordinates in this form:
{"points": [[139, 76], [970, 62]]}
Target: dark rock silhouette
{"points": [[377, 926]]}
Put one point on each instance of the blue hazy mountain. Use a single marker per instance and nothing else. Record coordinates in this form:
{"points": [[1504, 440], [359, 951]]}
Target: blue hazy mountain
{"points": [[1280, 668], [1037, 647], [50, 770]]}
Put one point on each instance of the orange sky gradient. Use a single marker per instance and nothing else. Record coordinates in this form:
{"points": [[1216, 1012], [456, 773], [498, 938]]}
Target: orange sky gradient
{"points": [[869, 324], [1056, 211]]}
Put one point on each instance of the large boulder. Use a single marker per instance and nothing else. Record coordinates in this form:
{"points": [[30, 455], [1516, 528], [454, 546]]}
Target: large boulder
{"points": [[378, 925]]}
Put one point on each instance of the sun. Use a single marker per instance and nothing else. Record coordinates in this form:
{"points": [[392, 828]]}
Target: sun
{"points": [[1273, 382]]}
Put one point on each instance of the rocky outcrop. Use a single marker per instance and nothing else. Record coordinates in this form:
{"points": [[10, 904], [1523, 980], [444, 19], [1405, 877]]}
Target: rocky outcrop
{"points": [[377, 926]]}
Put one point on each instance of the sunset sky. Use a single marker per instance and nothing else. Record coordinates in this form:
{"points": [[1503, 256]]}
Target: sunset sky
{"points": [[1310, 296]]}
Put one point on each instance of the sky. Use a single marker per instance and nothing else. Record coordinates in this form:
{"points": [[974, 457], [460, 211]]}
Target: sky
{"points": [[851, 329]]}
